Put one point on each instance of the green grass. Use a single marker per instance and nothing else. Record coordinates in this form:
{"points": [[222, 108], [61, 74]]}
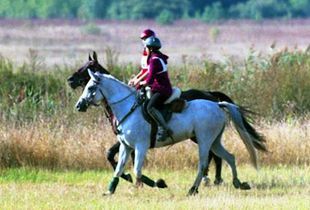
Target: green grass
{"points": [[277, 187]]}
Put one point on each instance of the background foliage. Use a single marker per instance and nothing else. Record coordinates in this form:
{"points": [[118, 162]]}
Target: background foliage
{"points": [[40, 128], [276, 86], [164, 11]]}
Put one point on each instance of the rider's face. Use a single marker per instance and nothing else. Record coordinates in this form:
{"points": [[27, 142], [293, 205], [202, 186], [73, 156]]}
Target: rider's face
{"points": [[143, 40], [147, 50]]}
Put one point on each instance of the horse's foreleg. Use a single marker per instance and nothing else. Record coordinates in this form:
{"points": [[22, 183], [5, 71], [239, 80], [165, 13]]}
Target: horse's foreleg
{"points": [[111, 154], [124, 152], [111, 158]]}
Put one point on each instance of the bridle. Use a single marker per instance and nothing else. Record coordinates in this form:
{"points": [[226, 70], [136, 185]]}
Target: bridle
{"points": [[107, 106]]}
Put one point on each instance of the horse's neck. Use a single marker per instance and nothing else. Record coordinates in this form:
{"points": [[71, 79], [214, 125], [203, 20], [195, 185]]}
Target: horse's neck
{"points": [[120, 97]]}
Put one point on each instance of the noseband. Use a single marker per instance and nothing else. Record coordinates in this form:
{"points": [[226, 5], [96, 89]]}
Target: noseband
{"points": [[108, 110]]}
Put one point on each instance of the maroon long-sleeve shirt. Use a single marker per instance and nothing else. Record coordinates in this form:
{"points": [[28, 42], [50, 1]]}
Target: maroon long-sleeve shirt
{"points": [[158, 78]]}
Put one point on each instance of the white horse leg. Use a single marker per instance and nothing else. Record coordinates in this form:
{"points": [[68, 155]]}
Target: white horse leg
{"points": [[204, 145], [140, 153], [124, 153], [220, 151]]}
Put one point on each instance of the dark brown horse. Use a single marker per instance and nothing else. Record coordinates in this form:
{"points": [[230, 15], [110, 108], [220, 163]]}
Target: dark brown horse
{"points": [[80, 79]]}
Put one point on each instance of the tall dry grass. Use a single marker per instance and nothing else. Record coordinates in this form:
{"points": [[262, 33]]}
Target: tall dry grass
{"points": [[51, 144], [39, 126]]}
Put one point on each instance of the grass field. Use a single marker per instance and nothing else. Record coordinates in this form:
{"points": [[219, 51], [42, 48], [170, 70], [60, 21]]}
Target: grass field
{"points": [[277, 187], [56, 159]]}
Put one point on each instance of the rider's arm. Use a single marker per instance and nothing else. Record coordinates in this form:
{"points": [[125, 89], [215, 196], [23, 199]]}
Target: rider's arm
{"points": [[137, 81], [154, 67], [133, 81]]}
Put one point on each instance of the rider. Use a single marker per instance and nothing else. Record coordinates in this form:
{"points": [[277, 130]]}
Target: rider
{"points": [[144, 68], [158, 79]]}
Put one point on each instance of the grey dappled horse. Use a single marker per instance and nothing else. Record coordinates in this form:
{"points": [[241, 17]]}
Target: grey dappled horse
{"points": [[80, 78], [202, 119]]}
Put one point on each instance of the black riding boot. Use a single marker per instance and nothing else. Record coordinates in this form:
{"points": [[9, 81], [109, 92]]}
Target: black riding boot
{"points": [[163, 130]]}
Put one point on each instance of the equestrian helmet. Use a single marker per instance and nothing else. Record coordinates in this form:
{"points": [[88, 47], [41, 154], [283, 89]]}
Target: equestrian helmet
{"points": [[147, 33], [153, 42]]}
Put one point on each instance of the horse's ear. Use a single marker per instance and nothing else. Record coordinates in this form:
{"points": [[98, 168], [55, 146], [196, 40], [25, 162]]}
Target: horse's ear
{"points": [[89, 57], [93, 76], [95, 56]]}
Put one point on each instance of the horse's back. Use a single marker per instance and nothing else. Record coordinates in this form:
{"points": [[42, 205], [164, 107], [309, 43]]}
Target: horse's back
{"points": [[198, 113], [204, 108]]}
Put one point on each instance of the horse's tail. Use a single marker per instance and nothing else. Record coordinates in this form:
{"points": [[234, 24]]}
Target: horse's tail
{"points": [[221, 96], [248, 134]]}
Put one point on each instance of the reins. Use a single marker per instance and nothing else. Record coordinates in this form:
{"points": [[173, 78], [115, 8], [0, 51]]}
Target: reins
{"points": [[109, 113]]}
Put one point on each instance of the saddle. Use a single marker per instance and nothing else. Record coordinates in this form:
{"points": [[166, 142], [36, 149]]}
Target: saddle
{"points": [[174, 104]]}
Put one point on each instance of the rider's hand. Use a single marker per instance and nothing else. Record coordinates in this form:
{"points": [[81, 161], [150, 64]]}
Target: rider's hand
{"points": [[131, 82], [143, 83]]}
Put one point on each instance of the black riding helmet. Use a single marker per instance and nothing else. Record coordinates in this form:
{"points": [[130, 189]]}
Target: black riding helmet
{"points": [[152, 43]]}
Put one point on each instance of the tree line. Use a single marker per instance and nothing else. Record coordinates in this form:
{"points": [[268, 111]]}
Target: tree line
{"points": [[163, 11]]}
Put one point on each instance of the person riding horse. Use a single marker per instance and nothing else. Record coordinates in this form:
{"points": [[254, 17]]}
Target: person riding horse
{"points": [[158, 79], [147, 33]]}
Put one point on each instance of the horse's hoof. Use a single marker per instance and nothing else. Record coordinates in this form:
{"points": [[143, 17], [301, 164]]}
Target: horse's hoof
{"points": [[192, 191], [206, 181], [160, 183], [236, 183], [129, 178], [107, 193], [218, 181], [139, 183], [245, 186]]}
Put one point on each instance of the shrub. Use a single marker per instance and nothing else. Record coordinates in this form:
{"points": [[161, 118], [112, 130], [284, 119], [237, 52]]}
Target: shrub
{"points": [[213, 12], [214, 33], [165, 18]]}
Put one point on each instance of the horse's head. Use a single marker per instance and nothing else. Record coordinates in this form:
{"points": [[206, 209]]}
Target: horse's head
{"points": [[92, 93], [81, 76]]}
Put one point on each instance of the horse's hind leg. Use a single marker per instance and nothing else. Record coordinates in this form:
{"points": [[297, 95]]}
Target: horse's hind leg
{"points": [[220, 151], [204, 145], [218, 167]]}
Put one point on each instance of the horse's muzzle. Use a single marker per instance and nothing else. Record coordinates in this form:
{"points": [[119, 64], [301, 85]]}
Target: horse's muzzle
{"points": [[72, 82], [82, 105]]}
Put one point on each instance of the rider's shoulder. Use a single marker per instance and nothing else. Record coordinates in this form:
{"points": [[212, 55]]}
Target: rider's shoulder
{"points": [[159, 56]]}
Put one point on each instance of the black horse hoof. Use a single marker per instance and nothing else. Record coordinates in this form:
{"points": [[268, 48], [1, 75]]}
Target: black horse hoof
{"points": [[218, 181], [245, 186], [160, 183], [127, 177], [192, 191]]}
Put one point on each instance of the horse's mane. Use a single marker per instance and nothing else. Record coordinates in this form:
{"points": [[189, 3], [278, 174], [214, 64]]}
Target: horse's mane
{"points": [[111, 77]]}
